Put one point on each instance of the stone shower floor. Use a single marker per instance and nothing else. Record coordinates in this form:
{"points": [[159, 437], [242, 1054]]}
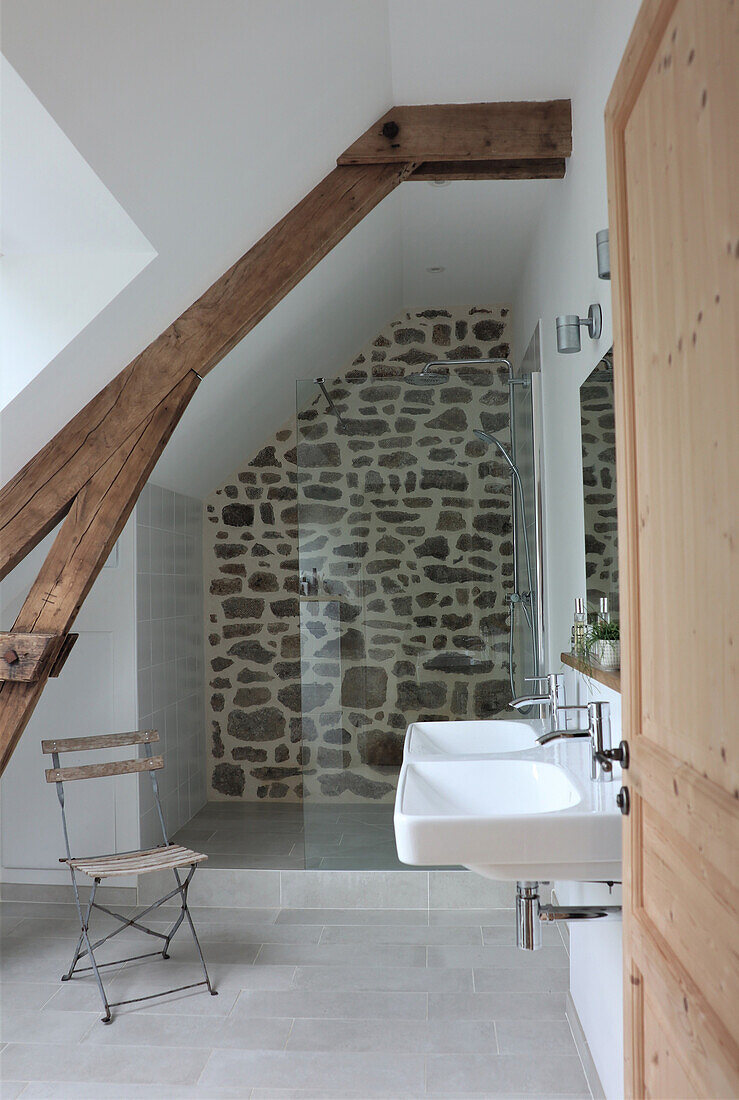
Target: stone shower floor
{"points": [[339, 837]]}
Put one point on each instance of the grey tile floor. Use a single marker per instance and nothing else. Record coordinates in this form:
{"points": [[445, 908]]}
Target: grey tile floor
{"points": [[312, 1003], [278, 836]]}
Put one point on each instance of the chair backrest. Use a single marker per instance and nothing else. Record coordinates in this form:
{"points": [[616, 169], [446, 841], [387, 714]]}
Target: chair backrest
{"points": [[146, 763]]}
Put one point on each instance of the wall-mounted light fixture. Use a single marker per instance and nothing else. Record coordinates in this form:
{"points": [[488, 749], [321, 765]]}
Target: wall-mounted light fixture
{"points": [[568, 329], [603, 252]]}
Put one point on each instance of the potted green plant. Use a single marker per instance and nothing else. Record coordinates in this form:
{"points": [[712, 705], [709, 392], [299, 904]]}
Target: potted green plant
{"points": [[603, 644]]}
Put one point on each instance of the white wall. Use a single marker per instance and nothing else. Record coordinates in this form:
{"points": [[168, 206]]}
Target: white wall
{"points": [[561, 277], [96, 693]]}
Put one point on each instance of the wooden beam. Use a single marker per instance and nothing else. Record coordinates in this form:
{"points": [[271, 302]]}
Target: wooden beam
{"points": [[61, 658], [546, 168], [82, 546], [34, 501], [466, 131], [23, 655]]}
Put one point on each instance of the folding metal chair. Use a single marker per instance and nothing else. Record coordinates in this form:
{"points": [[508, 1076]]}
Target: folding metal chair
{"points": [[166, 856]]}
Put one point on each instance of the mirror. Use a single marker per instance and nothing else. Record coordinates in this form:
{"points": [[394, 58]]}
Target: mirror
{"points": [[599, 487]]}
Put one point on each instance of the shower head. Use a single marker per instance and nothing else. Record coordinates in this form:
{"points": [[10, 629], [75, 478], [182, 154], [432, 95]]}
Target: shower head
{"points": [[427, 378], [487, 438]]}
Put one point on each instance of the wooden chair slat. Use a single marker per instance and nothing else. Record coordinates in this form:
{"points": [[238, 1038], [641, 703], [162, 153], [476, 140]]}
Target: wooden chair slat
{"points": [[96, 771], [153, 859], [101, 741]]}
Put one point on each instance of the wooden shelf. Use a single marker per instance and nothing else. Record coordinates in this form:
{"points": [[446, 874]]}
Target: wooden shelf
{"points": [[607, 676]]}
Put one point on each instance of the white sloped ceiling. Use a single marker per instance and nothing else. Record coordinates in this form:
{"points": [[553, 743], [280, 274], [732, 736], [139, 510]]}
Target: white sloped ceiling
{"points": [[208, 121]]}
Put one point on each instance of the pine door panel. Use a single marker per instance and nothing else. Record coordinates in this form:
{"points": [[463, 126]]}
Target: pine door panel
{"points": [[673, 166]]}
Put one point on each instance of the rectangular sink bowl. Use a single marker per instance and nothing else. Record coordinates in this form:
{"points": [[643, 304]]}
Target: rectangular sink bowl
{"points": [[509, 818], [496, 735]]}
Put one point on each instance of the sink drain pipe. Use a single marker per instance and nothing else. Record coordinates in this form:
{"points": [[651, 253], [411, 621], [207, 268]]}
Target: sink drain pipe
{"points": [[531, 914]]}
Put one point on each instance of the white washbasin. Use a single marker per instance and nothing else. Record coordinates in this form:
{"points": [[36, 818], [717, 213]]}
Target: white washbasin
{"points": [[464, 738], [536, 816]]}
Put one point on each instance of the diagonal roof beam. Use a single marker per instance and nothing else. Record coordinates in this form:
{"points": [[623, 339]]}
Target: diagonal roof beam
{"points": [[85, 539]]}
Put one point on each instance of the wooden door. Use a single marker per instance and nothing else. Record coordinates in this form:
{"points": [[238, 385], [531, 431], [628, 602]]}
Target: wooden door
{"points": [[671, 124]]}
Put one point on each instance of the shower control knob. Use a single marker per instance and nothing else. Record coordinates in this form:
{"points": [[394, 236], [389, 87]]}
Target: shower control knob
{"points": [[623, 801]]}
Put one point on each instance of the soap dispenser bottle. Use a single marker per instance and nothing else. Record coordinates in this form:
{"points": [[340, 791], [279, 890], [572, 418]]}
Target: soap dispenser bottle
{"points": [[604, 615], [578, 628]]}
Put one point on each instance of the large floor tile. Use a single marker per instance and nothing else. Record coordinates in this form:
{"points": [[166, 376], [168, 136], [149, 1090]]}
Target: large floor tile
{"points": [[10, 1090], [45, 1027], [505, 935], [87, 1062], [383, 935], [499, 979], [316, 1069], [183, 950], [456, 917], [341, 954], [326, 1094], [394, 1037], [155, 1030], [404, 978], [509, 957], [534, 1037], [224, 915], [24, 996], [505, 1075], [365, 917], [248, 931], [98, 1090], [333, 1005], [496, 1006]]}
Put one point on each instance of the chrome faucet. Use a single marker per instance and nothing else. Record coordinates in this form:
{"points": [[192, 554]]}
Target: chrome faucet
{"points": [[553, 700], [599, 734]]}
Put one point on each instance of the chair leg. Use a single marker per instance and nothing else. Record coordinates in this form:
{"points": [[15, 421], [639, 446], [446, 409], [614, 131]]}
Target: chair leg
{"points": [[85, 939], [84, 924], [183, 887]]}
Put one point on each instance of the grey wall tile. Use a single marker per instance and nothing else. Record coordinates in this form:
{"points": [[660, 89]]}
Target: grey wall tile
{"points": [[355, 889], [466, 890]]}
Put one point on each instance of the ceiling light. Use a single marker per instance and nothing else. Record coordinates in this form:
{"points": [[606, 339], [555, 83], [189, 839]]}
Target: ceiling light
{"points": [[436, 269], [439, 183]]}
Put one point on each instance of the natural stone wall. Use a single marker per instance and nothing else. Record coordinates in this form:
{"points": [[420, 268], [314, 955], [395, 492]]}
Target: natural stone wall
{"points": [[391, 605], [599, 487]]}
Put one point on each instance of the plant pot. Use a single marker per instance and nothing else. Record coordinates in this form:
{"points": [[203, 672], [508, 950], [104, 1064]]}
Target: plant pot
{"points": [[607, 653]]}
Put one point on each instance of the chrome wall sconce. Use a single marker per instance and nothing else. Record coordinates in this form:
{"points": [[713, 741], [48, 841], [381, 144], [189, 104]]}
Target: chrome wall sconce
{"points": [[603, 252], [568, 329]]}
